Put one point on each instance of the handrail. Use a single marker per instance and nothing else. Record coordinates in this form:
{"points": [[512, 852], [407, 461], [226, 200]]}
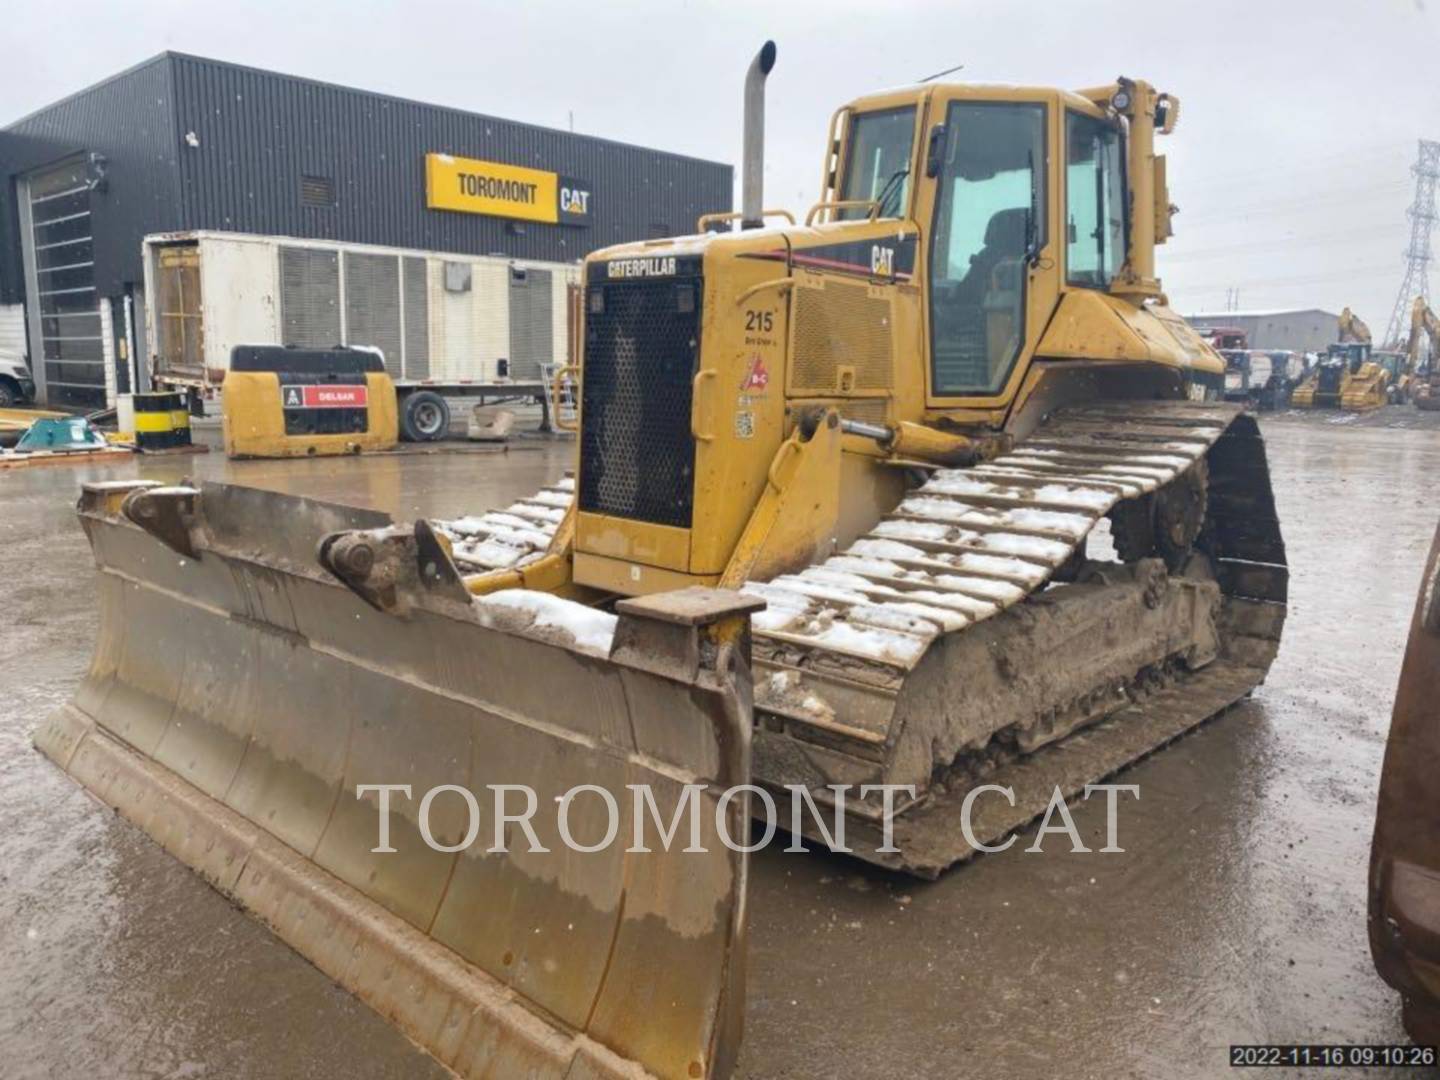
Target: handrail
{"points": [[842, 204], [707, 220], [555, 380]]}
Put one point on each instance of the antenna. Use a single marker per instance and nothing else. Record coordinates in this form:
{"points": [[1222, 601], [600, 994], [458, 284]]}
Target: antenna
{"points": [[947, 71]]}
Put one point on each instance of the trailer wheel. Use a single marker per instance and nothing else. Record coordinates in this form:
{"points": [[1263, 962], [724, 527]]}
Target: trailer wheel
{"points": [[424, 417]]}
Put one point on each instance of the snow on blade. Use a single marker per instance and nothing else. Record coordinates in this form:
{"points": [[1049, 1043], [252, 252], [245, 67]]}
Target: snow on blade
{"points": [[565, 484], [553, 498], [592, 631]]}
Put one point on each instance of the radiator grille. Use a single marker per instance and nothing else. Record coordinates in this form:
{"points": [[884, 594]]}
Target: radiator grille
{"points": [[637, 456], [868, 410], [840, 326]]}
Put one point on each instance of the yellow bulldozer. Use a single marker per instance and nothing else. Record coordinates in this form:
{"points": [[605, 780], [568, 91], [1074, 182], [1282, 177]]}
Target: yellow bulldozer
{"points": [[1346, 376], [928, 492]]}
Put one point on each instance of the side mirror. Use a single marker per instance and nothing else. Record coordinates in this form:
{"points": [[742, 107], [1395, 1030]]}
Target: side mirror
{"points": [[935, 151]]}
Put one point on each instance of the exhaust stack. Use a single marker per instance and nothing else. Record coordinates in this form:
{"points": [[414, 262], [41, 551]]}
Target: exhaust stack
{"points": [[752, 178]]}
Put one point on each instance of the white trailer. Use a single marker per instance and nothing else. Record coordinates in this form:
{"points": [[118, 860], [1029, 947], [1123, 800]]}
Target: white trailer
{"points": [[447, 325]]}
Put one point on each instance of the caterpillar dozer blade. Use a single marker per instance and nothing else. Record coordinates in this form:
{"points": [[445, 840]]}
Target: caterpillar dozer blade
{"points": [[240, 696]]}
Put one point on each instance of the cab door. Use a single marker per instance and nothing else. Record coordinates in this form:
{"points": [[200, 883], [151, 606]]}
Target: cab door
{"points": [[991, 203]]}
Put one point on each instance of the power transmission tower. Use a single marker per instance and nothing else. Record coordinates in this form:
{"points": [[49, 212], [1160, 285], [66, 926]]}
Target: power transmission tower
{"points": [[1417, 258]]}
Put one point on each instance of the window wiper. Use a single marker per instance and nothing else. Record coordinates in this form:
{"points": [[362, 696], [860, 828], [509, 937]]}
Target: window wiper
{"points": [[885, 192]]}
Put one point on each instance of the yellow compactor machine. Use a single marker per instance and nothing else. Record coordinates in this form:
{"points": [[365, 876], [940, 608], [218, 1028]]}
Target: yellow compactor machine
{"points": [[928, 490]]}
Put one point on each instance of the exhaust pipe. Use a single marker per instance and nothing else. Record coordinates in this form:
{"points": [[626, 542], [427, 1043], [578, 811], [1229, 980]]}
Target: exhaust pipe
{"points": [[752, 178]]}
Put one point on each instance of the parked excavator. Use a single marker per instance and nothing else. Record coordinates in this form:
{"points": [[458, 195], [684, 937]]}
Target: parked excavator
{"points": [[1345, 376], [1423, 375], [930, 491]]}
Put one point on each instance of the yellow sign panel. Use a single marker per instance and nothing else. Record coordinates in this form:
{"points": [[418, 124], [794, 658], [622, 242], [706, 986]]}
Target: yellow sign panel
{"points": [[487, 187]]}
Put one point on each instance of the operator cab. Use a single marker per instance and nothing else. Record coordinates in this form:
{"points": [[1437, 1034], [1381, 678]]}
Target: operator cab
{"points": [[1007, 232]]}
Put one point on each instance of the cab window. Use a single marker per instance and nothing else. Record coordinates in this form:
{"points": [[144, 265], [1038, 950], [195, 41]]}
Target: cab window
{"points": [[877, 162], [989, 220], [1094, 201]]}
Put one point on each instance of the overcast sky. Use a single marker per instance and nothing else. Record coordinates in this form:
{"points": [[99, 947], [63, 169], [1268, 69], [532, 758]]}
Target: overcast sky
{"points": [[1291, 163]]}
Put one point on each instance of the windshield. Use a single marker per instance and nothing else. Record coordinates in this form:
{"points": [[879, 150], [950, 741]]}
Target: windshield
{"points": [[878, 161]]}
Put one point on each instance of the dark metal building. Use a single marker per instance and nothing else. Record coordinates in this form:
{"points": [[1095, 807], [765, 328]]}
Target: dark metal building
{"points": [[185, 143]]}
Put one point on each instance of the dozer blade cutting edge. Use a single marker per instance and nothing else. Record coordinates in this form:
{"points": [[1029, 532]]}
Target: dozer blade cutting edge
{"points": [[238, 696]]}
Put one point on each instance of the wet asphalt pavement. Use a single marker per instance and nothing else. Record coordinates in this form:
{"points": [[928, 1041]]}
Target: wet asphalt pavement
{"points": [[1236, 913]]}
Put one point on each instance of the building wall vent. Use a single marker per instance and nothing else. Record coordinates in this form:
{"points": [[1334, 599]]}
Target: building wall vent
{"points": [[317, 190]]}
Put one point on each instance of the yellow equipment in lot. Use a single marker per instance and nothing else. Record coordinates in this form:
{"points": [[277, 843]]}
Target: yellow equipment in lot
{"points": [[1346, 376], [1424, 378], [829, 531], [283, 402]]}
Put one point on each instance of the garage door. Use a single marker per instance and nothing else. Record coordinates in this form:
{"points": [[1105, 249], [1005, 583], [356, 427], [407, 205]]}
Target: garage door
{"points": [[64, 309]]}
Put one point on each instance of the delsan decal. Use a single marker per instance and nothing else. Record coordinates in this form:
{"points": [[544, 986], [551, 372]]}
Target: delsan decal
{"points": [[324, 396]]}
